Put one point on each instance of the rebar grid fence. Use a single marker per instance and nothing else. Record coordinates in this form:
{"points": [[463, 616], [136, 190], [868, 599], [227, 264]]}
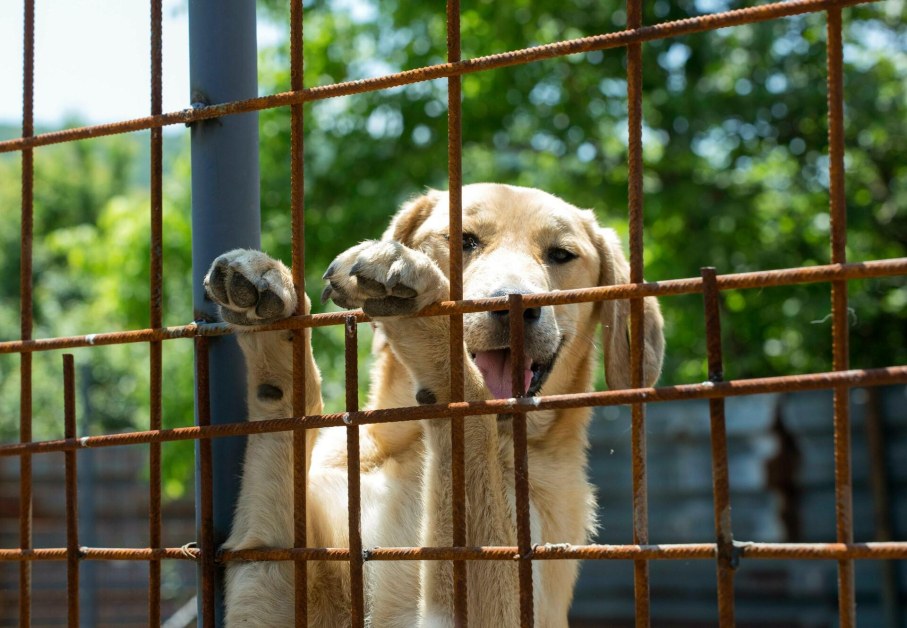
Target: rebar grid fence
{"points": [[725, 550]]}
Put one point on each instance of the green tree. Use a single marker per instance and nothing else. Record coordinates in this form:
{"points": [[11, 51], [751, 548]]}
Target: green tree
{"points": [[91, 274], [735, 151]]}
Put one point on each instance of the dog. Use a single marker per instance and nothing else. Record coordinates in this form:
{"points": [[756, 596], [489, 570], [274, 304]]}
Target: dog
{"points": [[515, 240]]}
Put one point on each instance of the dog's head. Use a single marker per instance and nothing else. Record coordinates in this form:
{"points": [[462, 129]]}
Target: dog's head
{"points": [[523, 240]]}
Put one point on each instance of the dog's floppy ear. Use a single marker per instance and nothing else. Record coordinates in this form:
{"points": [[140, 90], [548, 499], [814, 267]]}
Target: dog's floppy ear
{"points": [[616, 319], [410, 217]]}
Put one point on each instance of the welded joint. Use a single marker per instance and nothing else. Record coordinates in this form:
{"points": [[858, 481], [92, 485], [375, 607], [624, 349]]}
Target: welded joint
{"points": [[738, 552]]}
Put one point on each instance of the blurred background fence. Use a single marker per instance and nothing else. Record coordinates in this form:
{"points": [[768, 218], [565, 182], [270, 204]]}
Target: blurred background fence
{"points": [[781, 489]]}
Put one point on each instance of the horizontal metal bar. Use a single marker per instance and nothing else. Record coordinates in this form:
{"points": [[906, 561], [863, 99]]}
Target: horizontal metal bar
{"points": [[501, 60], [671, 287], [100, 553], [889, 550], [706, 390]]}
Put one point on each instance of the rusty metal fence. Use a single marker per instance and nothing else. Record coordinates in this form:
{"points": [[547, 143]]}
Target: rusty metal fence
{"points": [[725, 551]]}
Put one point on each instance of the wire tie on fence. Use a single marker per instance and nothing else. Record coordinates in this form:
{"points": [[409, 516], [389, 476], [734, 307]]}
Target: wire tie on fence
{"points": [[366, 555], [83, 442], [198, 104], [186, 550], [90, 338], [707, 384], [346, 418]]}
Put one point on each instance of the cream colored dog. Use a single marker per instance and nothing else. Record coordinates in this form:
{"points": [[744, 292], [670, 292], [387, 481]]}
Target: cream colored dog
{"points": [[515, 240]]}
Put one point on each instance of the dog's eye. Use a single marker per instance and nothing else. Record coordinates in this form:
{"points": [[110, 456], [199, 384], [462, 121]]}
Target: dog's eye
{"points": [[560, 256], [470, 242]]}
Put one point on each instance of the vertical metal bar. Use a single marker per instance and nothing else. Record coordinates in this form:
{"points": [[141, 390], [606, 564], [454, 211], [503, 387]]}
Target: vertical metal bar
{"points": [[457, 385], [88, 520], [225, 214], [521, 461], [72, 503], [838, 215], [357, 593], [26, 311], [205, 509], [637, 313], [156, 317], [297, 207], [720, 477]]}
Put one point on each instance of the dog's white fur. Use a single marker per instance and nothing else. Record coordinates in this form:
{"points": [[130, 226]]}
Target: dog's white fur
{"points": [[515, 242]]}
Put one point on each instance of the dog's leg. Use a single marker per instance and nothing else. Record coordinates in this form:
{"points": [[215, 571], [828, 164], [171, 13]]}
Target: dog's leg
{"points": [[250, 289], [389, 281]]}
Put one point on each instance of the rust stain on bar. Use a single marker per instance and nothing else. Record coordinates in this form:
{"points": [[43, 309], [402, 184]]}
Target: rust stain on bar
{"points": [[707, 390], [297, 208], [206, 543], [156, 315], [456, 350], [838, 215], [671, 287], [720, 476], [637, 313], [26, 312], [889, 550], [682, 551], [521, 460], [357, 592], [501, 60], [72, 498]]}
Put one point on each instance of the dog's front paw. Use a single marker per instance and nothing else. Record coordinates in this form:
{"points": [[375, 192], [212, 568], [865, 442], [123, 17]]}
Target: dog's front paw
{"points": [[384, 278], [250, 288]]}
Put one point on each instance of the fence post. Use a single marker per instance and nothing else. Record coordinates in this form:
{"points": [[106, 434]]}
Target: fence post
{"points": [[225, 215]]}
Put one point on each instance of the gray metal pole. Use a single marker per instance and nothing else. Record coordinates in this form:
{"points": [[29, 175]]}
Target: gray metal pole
{"points": [[225, 215]]}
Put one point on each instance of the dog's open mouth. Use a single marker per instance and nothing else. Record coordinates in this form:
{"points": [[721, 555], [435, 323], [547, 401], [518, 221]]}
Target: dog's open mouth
{"points": [[496, 368]]}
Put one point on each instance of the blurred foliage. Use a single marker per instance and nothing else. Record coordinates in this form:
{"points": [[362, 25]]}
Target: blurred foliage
{"points": [[736, 177], [735, 137], [91, 274]]}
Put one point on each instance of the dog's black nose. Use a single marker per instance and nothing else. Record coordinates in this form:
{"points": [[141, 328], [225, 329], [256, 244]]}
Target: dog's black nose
{"points": [[530, 314]]}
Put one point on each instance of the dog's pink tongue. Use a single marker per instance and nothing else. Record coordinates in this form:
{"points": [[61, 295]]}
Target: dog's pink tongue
{"points": [[495, 367]]}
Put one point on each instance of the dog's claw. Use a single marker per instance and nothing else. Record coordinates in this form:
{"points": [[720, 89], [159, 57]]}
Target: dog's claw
{"points": [[326, 293], [329, 271]]}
